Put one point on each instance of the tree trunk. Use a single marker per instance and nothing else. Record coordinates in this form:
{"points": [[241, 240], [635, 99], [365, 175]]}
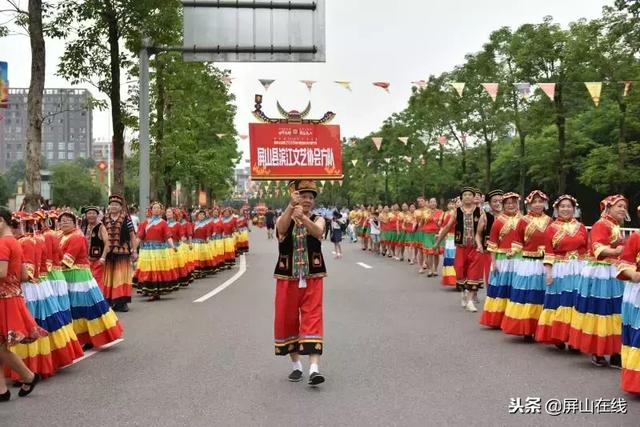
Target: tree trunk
{"points": [[34, 107], [114, 95], [562, 140], [522, 184], [622, 142], [158, 175]]}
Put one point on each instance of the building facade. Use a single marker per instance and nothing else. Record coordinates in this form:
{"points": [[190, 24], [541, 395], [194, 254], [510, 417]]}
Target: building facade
{"points": [[66, 128]]}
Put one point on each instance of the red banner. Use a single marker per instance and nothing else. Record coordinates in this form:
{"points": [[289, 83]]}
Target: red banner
{"points": [[282, 151]]}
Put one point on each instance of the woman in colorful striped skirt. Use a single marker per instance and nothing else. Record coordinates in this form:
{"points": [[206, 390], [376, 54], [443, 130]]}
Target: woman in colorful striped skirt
{"points": [[596, 323], [17, 325], [180, 257], [431, 223], [448, 270], [54, 257], [228, 230], [243, 233], [564, 259], [217, 241], [202, 249], [156, 273], [501, 238], [629, 269], [94, 323], [527, 291], [409, 227], [187, 237]]}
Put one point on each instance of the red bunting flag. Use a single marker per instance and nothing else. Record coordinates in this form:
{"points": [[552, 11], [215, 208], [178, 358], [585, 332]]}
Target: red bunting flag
{"points": [[549, 89], [383, 85], [442, 140], [377, 141], [492, 90], [421, 84]]}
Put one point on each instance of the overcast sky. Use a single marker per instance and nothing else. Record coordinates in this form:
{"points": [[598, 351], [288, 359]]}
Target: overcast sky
{"points": [[372, 40]]}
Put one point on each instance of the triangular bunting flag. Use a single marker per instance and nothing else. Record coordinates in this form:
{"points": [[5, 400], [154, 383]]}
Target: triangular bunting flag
{"points": [[243, 136], [322, 182], [340, 182], [221, 135], [419, 83], [387, 159], [404, 139], [459, 87], [308, 83], [627, 87], [492, 89], [354, 162], [594, 88], [377, 141], [524, 89], [383, 85], [227, 80], [369, 163], [442, 140], [407, 158], [549, 89], [266, 83], [344, 83]]}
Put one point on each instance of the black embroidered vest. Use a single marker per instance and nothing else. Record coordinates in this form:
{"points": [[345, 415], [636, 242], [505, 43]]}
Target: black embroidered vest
{"points": [[96, 245], [459, 236], [487, 229], [284, 266]]}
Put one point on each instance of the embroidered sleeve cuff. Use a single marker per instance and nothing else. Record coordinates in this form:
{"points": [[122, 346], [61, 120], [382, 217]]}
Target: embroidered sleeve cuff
{"points": [[549, 259], [491, 246], [598, 248], [625, 268], [68, 260], [516, 247], [31, 271]]}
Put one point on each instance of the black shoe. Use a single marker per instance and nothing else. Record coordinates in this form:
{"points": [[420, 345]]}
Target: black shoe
{"points": [[598, 361], [5, 397], [31, 385], [17, 384], [615, 361], [573, 350], [122, 308], [316, 378], [561, 346], [295, 376], [529, 339], [88, 346]]}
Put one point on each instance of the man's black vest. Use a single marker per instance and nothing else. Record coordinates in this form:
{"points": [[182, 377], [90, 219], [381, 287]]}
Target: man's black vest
{"points": [[459, 237], [487, 229], [284, 267], [96, 245]]}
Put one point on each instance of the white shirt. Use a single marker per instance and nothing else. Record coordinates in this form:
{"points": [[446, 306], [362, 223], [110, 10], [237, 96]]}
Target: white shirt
{"points": [[373, 228]]}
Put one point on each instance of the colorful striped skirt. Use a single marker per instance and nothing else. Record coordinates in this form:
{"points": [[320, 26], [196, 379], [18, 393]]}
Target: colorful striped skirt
{"points": [[118, 279], [243, 240], [204, 257], [218, 252], [596, 321], [229, 250], [555, 320], [499, 290], [526, 297], [448, 270], [631, 338], [60, 289], [93, 321], [156, 272], [183, 260]]}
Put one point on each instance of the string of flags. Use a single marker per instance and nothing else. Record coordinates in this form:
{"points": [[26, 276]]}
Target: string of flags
{"points": [[525, 89]]}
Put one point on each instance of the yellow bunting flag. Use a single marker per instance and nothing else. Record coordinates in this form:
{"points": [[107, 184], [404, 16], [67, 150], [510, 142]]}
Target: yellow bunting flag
{"points": [[308, 83], [377, 141], [221, 135], [383, 85], [354, 162], [266, 83], [404, 139], [459, 87], [344, 83], [594, 88], [549, 89], [492, 90]]}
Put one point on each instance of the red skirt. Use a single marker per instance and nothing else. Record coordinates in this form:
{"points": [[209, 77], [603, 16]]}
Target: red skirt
{"points": [[17, 325]]}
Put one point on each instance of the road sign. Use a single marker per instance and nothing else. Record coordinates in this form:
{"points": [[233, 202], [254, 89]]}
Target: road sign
{"points": [[102, 165], [254, 31]]}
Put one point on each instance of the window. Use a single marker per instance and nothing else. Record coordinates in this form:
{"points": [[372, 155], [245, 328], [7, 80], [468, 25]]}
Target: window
{"points": [[70, 155], [19, 155], [62, 146], [49, 146], [70, 146], [62, 155], [8, 155], [9, 146], [49, 155]]}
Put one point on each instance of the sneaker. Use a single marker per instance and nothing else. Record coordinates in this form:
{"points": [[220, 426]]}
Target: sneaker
{"points": [[316, 378], [598, 361], [295, 376], [475, 299], [615, 361], [529, 339], [471, 307], [463, 301]]}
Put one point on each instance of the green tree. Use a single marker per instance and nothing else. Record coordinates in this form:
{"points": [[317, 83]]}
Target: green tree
{"points": [[72, 185]]}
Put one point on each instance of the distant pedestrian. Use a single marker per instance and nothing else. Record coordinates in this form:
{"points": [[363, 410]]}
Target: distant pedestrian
{"points": [[270, 222], [338, 225]]}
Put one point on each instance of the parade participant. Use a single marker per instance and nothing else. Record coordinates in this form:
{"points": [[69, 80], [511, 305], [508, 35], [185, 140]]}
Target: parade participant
{"points": [[156, 274], [336, 233], [299, 273], [374, 227], [270, 219], [385, 238], [394, 229], [629, 269], [94, 323], [17, 325], [595, 318], [527, 290], [499, 245], [468, 265], [217, 241], [243, 234], [181, 257], [122, 251], [54, 259], [187, 237], [228, 230], [564, 259], [448, 269], [98, 240], [484, 228], [420, 214], [409, 229], [364, 223], [431, 223], [204, 252]]}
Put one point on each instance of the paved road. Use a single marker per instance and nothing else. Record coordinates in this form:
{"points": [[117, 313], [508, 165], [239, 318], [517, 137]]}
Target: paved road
{"points": [[399, 351]]}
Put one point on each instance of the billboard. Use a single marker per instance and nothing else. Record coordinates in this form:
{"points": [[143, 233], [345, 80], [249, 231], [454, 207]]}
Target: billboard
{"points": [[283, 151], [4, 84]]}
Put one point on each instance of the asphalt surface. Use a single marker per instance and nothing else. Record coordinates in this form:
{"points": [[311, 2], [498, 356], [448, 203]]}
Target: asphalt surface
{"points": [[399, 351]]}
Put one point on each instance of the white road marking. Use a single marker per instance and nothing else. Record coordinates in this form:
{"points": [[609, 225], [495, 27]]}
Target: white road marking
{"points": [[93, 351], [229, 282], [363, 265]]}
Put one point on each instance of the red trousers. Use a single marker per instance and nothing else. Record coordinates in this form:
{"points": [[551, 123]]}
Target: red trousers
{"points": [[97, 270], [486, 264], [298, 317], [469, 265]]}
